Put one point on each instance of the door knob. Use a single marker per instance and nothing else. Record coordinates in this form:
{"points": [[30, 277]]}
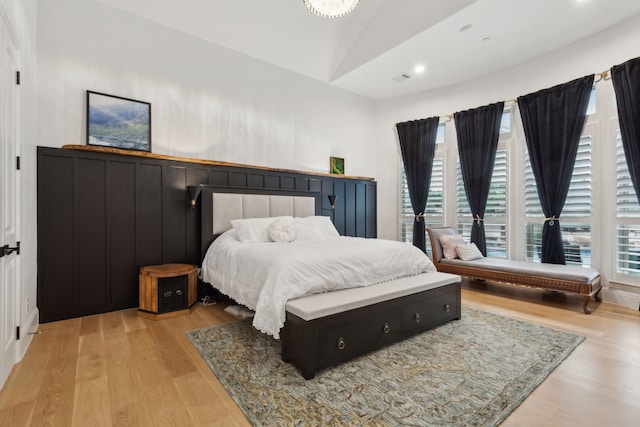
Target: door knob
{"points": [[7, 250]]}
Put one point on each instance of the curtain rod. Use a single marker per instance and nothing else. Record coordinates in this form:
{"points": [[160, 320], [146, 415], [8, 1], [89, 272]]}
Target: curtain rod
{"points": [[605, 75]]}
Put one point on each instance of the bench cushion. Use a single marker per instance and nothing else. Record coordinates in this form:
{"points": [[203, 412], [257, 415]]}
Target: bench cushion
{"points": [[328, 303], [554, 271]]}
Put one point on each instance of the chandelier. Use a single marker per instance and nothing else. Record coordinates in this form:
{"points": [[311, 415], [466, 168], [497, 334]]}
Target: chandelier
{"points": [[331, 8]]}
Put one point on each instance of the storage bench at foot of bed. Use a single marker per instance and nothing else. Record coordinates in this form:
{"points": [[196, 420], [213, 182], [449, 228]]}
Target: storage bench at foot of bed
{"points": [[327, 329]]}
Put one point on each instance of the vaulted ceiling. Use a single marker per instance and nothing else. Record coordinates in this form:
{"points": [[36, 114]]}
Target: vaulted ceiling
{"points": [[374, 50]]}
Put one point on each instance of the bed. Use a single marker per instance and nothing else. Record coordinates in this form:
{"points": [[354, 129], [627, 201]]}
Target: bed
{"points": [[318, 292], [570, 279]]}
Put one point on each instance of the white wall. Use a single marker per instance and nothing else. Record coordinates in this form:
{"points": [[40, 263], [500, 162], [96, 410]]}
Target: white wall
{"points": [[207, 101], [592, 55]]}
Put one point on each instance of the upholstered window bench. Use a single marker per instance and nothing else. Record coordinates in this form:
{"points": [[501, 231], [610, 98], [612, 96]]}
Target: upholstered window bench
{"points": [[326, 329], [554, 277]]}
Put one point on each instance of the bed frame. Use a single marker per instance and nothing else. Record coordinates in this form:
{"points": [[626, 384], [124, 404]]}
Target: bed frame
{"points": [[547, 281], [327, 329]]}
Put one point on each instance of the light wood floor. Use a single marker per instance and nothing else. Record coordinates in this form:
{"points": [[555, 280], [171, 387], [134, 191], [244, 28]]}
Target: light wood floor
{"points": [[119, 369]]}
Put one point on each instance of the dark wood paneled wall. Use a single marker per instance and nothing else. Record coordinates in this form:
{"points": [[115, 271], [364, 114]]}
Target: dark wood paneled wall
{"points": [[102, 216]]}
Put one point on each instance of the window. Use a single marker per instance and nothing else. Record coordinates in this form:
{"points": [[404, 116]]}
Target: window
{"points": [[576, 215], [591, 108], [495, 217], [505, 123], [628, 217], [406, 211], [440, 134], [517, 233], [434, 211]]}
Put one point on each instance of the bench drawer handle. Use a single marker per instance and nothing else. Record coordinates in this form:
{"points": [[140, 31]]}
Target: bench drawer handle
{"points": [[167, 294], [447, 308], [341, 344], [416, 317], [386, 328], [179, 292]]}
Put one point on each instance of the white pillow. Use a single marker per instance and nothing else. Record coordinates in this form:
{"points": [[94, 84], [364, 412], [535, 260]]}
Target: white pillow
{"points": [[254, 230], [282, 230], [449, 243], [314, 228], [468, 252]]}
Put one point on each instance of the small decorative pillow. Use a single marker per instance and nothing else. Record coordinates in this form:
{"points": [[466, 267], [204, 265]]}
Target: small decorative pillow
{"points": [[449, 243], [282, 230], [468, 252]]}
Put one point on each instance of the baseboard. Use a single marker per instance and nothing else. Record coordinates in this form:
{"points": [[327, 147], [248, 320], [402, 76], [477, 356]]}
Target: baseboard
{"points": [[622, 297], [27, 330]]}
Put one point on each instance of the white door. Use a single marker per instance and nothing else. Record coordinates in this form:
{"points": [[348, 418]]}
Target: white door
{"points": [[9, 205]]}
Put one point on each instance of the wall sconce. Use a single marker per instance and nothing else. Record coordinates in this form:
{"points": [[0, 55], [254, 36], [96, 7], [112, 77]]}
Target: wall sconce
{"points": [[194, 193], [332, 201]]}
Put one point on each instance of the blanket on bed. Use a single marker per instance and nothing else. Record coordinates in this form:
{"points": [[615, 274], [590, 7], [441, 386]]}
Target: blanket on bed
{"points": [[264, 276]]}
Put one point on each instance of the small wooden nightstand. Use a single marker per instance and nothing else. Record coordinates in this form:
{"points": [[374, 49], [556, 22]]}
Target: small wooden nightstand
{"points": [[167, 290]]}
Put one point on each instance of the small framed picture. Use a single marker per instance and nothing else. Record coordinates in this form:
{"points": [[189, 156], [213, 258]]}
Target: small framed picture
{"points": [[337, 166], [113, 121]]}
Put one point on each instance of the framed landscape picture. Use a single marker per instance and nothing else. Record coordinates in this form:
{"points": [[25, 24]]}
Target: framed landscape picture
{"points": [[117, 122], [337, 165]]}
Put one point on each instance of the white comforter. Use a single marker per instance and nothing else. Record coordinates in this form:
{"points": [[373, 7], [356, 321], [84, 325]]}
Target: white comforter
{"points": [[263, 276]]}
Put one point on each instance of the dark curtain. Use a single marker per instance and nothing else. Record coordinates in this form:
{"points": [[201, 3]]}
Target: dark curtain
{"points": [[478, 131], [553, 120], [626, 83], [418, 145]]}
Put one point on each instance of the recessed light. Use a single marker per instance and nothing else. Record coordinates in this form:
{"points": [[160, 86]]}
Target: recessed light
{"points": [[466, 28], [419, 69]]}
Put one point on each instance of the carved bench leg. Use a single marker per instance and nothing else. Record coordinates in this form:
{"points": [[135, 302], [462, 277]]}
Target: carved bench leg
{"points": [[597, 296]]}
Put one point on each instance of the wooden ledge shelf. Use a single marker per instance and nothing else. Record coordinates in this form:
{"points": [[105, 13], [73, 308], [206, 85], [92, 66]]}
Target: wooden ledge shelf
{"points": [[145, 154]]}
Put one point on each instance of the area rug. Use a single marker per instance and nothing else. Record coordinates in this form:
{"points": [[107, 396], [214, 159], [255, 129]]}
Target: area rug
{"points": [[469, 372]]}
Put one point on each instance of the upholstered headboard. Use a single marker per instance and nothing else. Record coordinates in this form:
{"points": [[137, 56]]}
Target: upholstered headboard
{"points": [[220, 205]]}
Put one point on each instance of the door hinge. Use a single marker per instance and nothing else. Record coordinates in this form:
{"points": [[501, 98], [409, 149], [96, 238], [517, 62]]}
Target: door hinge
{"points": [[18, 78], [17, 333], [18, 163]]}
